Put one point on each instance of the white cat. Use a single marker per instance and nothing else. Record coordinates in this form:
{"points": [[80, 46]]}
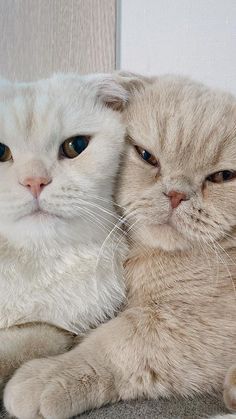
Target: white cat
{"points": [[60, 143]]}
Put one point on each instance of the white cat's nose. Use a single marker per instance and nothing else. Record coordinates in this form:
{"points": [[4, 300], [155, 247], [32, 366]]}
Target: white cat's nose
{"points": [[36, 184]]}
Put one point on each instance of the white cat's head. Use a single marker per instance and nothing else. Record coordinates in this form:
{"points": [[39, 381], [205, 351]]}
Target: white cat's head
{"points": [[60, 143], [178, 184]]}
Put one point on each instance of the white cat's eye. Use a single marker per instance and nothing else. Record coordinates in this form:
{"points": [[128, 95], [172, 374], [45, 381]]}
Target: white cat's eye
{"points": [[147, 157], [222, 176], [73, 147], [5, 153]]}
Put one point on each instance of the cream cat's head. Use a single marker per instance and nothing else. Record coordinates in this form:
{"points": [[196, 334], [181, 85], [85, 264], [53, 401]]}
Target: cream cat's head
{"points": [[60, 143], [178, 184]]}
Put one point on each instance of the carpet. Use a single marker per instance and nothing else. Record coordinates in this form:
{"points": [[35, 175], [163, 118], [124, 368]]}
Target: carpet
{"points": [[160, 409], [157, 409]]}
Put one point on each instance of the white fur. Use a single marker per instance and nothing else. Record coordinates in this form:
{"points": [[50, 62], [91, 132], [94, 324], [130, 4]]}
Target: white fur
{"points": [[54, 267]]}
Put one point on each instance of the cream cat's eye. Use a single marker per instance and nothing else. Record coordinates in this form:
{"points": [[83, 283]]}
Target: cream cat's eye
{"points": [[222, 176], [146, 156], [5, 153], [73, 147]]}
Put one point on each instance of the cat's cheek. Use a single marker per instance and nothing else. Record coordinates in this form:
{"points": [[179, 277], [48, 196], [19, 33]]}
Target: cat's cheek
{"points": [[162, 237]]}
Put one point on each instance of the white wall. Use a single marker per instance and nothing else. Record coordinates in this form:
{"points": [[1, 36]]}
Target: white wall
{"points": [[191, 37]]}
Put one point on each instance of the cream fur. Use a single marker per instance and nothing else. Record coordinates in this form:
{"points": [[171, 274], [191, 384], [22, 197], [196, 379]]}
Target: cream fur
{"points": [[22, 343], [63, 267], [177, 333]]}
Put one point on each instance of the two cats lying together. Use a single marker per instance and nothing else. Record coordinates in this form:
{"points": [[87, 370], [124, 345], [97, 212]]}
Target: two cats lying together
{"points": [[118, 242]]}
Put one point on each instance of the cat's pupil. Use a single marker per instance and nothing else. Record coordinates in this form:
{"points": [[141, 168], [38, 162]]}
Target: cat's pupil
{"points": [[227, 175], [79, 143], [146, 155], [2, 150]]}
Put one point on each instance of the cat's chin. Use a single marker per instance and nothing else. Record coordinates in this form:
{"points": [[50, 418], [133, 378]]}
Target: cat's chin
{"points": [[42, 229], [31, 229], [162, 236]]}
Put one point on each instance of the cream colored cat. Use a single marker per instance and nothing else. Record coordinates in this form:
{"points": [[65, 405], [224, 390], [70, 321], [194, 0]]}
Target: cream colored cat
{"points": [[60, 143], [177, 333]]}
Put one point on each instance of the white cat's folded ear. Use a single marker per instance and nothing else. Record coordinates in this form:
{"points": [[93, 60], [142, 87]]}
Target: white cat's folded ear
{"points": [[115, 90]]}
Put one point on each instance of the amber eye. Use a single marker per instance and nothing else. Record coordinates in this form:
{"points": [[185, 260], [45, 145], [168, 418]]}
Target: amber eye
{"points": [[74, 146], [222, 176], [5, 153], [146, 156]]}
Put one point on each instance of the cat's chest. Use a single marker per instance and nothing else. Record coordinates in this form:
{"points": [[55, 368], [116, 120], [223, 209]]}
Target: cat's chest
{"points": [[60, 291], [177, 282]]}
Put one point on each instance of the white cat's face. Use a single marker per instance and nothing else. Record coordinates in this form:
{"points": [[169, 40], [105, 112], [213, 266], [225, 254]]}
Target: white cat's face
{"points": [[178, 185], [59, 154]]}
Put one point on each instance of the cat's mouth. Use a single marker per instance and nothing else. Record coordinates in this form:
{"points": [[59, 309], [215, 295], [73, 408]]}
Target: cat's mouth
{"points": [[40, 214]]}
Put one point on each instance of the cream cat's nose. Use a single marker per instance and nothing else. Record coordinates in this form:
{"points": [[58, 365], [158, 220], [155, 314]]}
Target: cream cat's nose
{"points": [[176, 198], [36, 184]]}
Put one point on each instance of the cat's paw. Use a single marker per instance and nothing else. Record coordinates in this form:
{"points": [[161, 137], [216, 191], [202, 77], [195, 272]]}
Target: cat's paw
{"points": [[230, 389], [56, 389], [76, 388], [23, 391]]}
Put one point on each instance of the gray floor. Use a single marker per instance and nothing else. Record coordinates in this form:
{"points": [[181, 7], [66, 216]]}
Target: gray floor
{"points": [[161, 409]]}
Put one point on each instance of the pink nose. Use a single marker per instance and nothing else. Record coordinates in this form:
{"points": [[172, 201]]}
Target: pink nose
{"points": [[36, 184], [176, 198]]}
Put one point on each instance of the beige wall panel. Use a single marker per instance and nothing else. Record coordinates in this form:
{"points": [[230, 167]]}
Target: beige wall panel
{"points": [[39, 37]]}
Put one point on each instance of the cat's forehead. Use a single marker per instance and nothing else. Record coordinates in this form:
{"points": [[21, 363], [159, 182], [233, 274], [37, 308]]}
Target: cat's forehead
{"points": [[43, 108], [184, 121]]}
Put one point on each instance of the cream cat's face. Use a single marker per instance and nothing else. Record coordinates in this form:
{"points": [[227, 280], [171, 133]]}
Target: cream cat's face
{"points": [[178, 185], [59, 153]]}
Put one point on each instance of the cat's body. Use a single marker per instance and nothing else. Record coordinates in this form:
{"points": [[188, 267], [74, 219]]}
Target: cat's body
{"points": [[64, 286], [177, 334], [60, 145]]}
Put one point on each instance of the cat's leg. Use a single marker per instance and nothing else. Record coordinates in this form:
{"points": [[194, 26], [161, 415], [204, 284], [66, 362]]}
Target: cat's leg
{"points": [[22, 343], [130, 356], [116, 361]]}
